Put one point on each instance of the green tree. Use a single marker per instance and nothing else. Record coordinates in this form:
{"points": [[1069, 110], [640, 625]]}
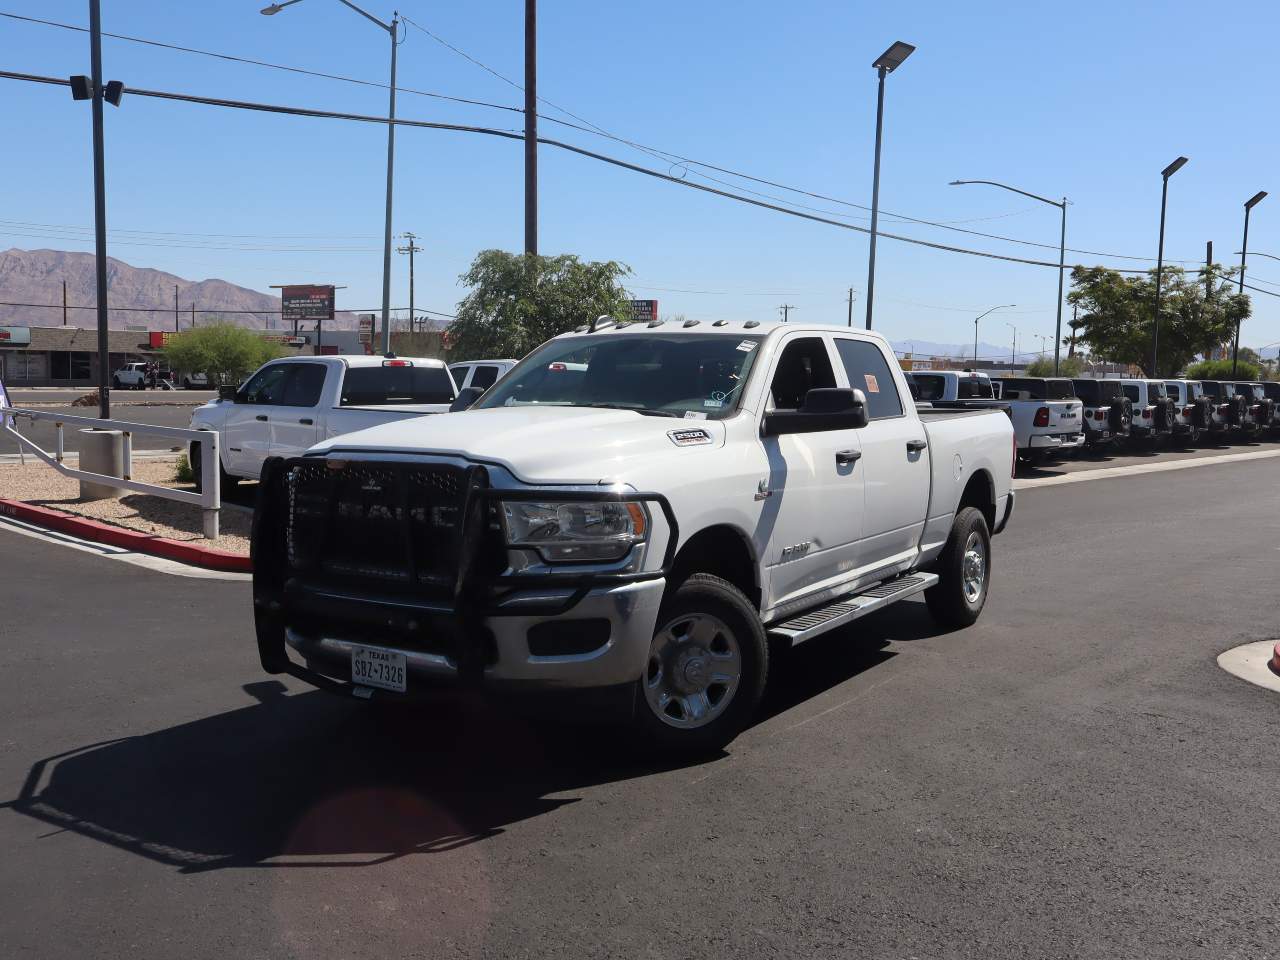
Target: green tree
{"points": [[1067, 367], [1221, 370], [225, 352], [1116, 315], [517, 302]]}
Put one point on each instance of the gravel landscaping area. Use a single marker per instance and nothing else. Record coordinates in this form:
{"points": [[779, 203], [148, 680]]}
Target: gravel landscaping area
{"points": [[42, 485]]}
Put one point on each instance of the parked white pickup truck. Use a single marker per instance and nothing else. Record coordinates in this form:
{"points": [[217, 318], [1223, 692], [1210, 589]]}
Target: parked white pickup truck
{"points": [[291, 404], [634, 510], [482, 374], [1046, 415]]}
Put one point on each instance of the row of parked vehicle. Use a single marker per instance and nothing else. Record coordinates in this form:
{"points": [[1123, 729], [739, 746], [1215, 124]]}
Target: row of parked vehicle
{"points": [[1055, 415]]}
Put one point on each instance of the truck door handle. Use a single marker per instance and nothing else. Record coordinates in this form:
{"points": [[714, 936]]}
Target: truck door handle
{"points": [[915, 446], [307, 420], [262, 417], [844, 457]]}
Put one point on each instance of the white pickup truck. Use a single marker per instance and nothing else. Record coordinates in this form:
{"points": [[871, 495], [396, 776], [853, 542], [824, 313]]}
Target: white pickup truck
{"points": [[1047, 417], [635, 510], [291, 404]]}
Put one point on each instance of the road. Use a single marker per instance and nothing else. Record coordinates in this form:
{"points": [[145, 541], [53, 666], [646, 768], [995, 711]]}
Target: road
{"points": [[51, 395], [42, 431], [1072, 777]]}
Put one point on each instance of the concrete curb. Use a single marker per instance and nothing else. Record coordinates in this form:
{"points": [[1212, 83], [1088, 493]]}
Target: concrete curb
{"points": [[1275, 660], [87, 529]]}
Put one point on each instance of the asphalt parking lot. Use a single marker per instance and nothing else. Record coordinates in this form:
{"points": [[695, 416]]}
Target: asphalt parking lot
{"points": [[1072, 777]]}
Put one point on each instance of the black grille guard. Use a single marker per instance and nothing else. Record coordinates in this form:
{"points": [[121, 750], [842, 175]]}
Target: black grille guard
{"points": [[474, 594]]}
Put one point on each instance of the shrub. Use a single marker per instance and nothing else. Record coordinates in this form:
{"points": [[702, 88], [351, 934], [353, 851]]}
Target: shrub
{"points": [[183, 474], [1221, 370]]}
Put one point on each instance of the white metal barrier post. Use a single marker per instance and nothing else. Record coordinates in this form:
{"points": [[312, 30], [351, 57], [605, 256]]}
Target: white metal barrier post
{"points": [[209, 499], [210, 480]]}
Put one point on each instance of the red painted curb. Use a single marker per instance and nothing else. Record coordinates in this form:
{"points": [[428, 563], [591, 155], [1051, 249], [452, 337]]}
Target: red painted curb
{"points": [[129, 539], [1275, 660]]}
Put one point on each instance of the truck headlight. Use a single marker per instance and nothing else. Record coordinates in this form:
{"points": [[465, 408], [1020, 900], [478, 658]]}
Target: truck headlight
{"points": [[569, 530]]}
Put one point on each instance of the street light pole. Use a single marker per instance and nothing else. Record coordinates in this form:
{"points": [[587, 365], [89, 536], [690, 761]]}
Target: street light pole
{"points": [[1062, 253], [1002, 306], [1165, 174], [99, 210], [884, 65], [1244, 249], [1013, 357], [392, 28]]}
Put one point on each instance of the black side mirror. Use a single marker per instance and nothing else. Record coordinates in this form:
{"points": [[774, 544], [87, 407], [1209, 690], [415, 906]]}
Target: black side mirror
{"points": [[227, 392], [825, 408], [466, 397]]}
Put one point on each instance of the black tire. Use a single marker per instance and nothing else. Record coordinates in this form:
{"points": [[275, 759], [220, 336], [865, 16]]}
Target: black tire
{"points": [[225, 480], [737, 624], [186, 383], [949, 602], [115, 383]]}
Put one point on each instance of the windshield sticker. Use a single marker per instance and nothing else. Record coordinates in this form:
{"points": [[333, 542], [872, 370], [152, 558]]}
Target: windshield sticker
{"points": [[694, 415], [692, 437], [746, 346], [714, 404], [872, 385]]}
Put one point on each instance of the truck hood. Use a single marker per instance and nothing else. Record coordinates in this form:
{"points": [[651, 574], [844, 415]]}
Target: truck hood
{"points": [[545, 444]]}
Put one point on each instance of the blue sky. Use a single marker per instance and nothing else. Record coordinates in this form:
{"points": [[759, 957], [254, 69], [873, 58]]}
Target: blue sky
{"points": [[1090, 102]]}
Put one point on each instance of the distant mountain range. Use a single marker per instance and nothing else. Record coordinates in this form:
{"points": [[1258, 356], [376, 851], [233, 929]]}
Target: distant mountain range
{"points": [[986, 351], [36, 277]]}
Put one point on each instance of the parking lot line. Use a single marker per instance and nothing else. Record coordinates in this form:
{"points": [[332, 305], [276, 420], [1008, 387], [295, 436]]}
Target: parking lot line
{"points": [[1104, 473]]}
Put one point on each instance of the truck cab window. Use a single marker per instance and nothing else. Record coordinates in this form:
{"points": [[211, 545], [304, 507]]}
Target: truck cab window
{"points": [[932, 386], [266, 386], [303, 387], [486, 376], [803, 366], [868, 371]]}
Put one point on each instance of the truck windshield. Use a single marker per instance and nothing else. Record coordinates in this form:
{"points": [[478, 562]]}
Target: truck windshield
{"points": [[381, 386], [656, 374]]}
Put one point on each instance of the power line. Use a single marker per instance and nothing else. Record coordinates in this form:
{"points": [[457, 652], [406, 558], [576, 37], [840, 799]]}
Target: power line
{"points": [[169, 309], [515, 135], [587, 126]]}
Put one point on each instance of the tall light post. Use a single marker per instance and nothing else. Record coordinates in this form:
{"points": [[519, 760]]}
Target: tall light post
{"points": [[392, 28], [1165, 174], [885, 64], [1062, 251], [1002, 306], [1013, 356], [1244, 250]]}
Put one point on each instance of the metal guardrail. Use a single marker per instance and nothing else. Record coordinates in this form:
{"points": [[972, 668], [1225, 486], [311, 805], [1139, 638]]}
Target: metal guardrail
{"points": [[209, 500]]}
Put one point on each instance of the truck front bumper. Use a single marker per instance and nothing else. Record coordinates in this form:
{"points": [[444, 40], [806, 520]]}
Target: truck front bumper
{"points": [[621, 618]]}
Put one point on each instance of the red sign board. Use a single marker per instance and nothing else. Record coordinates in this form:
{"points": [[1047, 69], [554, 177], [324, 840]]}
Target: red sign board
{"points": [[644, 310], [307, 303]]}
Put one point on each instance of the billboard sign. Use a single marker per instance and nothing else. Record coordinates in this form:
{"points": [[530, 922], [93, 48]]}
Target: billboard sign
{"points": [[15, 336], [642, 311], [366, 327], [306, 303]]}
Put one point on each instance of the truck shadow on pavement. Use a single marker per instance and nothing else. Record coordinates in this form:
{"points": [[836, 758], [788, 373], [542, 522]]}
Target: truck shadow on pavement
{"points": [[312, 780]]}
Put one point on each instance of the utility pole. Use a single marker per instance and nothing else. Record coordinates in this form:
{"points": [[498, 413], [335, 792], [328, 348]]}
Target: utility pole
{"points": [[64, 303], [175, 308], [1208, 280], [530, 128], [193, 314], [411, 249], [851, 306], [786, 309]]}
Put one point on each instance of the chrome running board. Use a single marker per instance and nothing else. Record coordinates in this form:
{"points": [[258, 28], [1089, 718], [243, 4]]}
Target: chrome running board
{"points": [[850, 608]]}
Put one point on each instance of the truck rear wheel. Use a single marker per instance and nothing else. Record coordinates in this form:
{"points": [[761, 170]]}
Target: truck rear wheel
{"points": [[964, 571], [706, 671]]}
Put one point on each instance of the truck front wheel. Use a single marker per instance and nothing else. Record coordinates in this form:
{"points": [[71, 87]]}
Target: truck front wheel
{"points": [[707, 668], [964, 571]]}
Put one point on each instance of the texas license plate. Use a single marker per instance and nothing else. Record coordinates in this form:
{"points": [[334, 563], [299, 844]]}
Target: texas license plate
{"points": [[375, 667]]}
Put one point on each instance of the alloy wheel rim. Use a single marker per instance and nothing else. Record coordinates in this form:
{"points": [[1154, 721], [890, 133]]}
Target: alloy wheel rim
{"points": [[973, 567], [694, 670]]}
